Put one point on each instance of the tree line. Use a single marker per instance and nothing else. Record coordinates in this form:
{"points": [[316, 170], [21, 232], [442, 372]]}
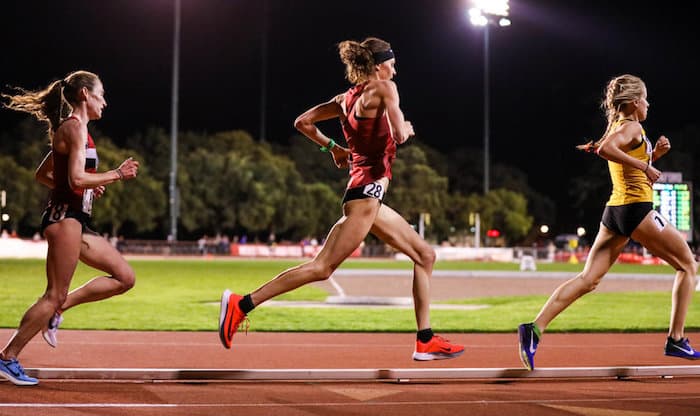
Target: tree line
{"points": [[232, 184]]}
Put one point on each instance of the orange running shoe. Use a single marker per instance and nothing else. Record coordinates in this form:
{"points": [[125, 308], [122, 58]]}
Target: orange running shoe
{"points": [[230, 317], [438, 348]]}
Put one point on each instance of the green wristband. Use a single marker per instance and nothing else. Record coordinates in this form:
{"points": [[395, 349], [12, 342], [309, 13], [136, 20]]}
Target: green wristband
{"points": [[328, 148]]}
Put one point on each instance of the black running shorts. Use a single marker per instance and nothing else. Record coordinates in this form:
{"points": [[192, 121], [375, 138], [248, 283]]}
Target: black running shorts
{"points": [[59, 212], [371, 190], [624, 219]]}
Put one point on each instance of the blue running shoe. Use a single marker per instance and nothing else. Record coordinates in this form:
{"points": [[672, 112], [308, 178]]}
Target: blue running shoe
{"points": [[528, 338], [681, 349], [11, 370]]}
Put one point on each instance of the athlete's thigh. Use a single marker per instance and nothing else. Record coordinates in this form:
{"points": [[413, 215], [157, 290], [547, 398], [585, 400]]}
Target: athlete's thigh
{"points": [[63, 240], [97, 252], [393, 229], [347, 234], [604, 252], [662, 239]]}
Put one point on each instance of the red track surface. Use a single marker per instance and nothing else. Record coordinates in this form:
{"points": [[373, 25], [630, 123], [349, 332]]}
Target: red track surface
{"points": [[120, 349]]}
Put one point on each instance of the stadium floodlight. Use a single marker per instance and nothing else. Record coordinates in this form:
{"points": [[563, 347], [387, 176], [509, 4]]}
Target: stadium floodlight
{"points": [[492, 7], [483, 14]]}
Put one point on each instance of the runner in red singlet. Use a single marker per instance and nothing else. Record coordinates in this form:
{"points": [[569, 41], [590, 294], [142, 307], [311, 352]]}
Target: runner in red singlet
{"points": [[373, 124], [70, 171]]}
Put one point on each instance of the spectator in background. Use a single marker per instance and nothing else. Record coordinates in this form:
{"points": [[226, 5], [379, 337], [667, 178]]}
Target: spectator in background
{"points": [[202, 245], [225, 245]]}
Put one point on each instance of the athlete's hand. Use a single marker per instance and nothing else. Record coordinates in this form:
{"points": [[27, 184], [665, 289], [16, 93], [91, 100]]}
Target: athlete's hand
{"points": [[653, 174], [341, 156], [98, 191], [128, 169], [408, 128], [663, 145]]}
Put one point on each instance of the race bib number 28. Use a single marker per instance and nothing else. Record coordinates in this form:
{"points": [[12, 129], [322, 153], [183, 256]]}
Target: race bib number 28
{"points": [[374, 190], [58, 212]]}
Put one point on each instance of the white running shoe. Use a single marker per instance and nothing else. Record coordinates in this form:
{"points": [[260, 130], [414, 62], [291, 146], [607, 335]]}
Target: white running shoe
{"points": [[49, 333]]}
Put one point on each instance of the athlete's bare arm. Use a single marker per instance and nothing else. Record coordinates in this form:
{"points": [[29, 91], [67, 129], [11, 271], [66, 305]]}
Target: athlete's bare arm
{"points": [[401, 129], [614, 146], [306, 124]]}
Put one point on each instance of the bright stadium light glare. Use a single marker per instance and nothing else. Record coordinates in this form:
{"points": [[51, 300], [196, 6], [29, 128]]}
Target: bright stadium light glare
{"points": [[503, 22], [544, 228], [493, 7], [476, 18]]}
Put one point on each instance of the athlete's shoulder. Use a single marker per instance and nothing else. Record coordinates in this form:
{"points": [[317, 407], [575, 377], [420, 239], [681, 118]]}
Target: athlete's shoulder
{"points": [[71, 130], [631, 128], [384, 88]]}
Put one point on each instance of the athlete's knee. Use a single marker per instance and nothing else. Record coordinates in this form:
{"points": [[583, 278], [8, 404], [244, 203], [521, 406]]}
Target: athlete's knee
{"points": [[693, 267], [588, 284], [126, 278], [690, 269], [427, 256], [320, 270]]}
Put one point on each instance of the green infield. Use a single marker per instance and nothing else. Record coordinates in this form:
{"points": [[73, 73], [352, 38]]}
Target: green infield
{"points": [[184, 295]]}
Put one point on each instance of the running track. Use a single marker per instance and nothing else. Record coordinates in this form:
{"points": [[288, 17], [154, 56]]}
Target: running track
{"points": [[636, 396]]}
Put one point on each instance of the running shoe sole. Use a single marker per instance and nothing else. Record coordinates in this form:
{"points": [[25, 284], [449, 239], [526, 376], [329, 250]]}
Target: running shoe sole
{"points": [[222, 317], [45, 334], [428, 356], [680, 355]]}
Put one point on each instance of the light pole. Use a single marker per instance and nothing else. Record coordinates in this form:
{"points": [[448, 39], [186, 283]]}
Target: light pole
{"points": [[485, 13], [3, 199], [174, 197], [263, 74]]}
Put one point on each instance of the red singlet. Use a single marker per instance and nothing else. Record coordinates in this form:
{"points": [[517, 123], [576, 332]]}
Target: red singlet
{"points": [[372, 147]]}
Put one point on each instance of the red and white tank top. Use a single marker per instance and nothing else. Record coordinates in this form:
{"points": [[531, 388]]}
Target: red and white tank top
{"points": [[78, 199]]}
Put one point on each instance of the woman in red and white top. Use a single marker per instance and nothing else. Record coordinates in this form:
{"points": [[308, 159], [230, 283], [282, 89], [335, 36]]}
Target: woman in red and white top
{"points": [[70, 171], [373, 124]]}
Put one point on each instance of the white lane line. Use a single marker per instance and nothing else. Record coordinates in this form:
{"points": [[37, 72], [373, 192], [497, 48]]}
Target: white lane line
{"points": [[495, 274], [258, 375], [333, 404]]}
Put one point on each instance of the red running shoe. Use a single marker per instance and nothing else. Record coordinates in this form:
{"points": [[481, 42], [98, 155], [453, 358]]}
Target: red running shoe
{"points": [[230, 317], [438, 348]]}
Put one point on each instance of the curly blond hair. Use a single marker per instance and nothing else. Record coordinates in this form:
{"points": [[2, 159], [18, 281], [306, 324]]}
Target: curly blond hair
{"points": [[358, 57]]}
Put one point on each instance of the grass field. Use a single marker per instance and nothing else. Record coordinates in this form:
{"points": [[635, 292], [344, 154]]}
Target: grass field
{"points": [[184, 295]]}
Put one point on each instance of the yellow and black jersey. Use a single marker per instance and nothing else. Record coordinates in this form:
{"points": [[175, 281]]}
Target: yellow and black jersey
{"points": [[629, 184]]}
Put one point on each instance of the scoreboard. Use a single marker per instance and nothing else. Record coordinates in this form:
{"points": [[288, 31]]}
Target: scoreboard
{"points": [[675, 202]]}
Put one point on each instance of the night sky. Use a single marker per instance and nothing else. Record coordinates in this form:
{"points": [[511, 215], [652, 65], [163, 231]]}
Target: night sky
{"points": [[547, 70]]}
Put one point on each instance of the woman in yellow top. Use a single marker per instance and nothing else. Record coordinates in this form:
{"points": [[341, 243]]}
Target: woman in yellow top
{"points": [[628, 214]]}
